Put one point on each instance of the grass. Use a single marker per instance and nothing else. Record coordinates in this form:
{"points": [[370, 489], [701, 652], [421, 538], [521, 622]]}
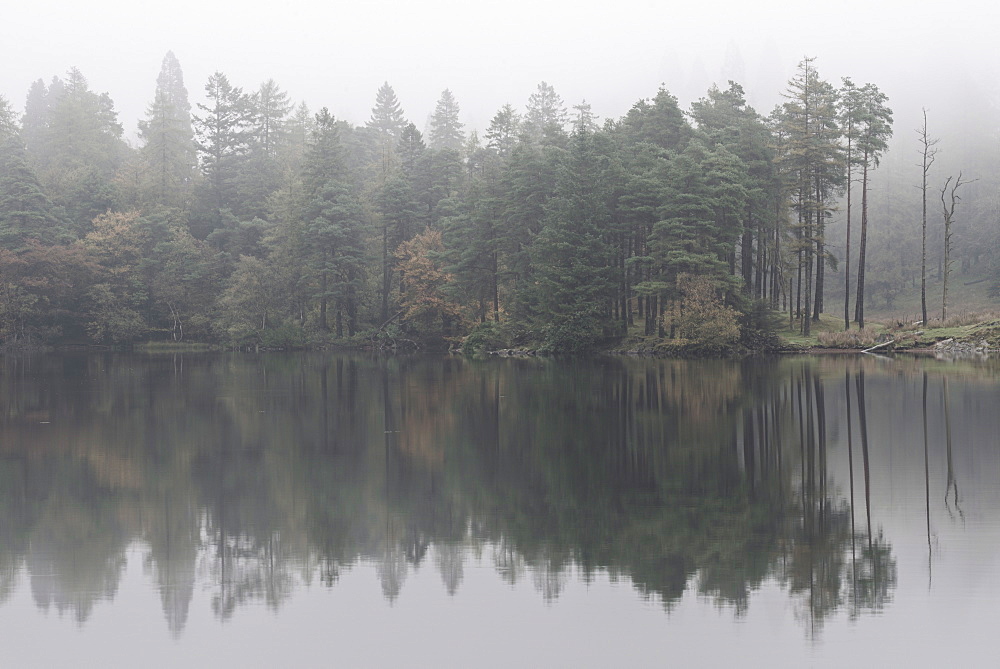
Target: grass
{"points": [[907, 334], [829, 332]]}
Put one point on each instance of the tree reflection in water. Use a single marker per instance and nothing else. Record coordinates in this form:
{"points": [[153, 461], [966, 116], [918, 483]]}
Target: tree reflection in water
{"points": [[253, 476]]}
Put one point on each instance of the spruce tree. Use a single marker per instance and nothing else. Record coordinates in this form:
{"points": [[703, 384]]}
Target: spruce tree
{"points": [[446, 129], [387, 120], [545, 119], [332, 215], [168, 151], [223, 138], [26, 213], [574, 280], [8, 120], [501, 136]]}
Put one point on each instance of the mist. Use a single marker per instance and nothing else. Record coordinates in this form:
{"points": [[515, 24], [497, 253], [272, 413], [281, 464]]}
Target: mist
{"points": [[492, 53]]}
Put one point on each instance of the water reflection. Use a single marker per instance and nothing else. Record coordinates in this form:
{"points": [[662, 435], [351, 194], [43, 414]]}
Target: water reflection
{"points": [[253, 477]]}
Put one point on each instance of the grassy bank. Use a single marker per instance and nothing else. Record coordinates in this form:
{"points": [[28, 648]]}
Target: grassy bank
{"points": [[829, 333]]}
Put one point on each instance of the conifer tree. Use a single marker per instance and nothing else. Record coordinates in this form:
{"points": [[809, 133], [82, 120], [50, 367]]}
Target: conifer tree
{"points": [[387, 122], [446, 129], [223, 138], [26, 213], [813, 161], [574, 280], [875, 129], [168, 151], [8, 120], [74, 143], [501, 136], [545, 119], [332, 215]]}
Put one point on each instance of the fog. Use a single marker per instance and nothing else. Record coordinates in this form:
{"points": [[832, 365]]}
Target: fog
{"points": [[491, 53]]}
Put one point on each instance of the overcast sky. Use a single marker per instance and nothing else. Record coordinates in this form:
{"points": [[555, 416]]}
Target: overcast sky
{"points": [[336, 54]]}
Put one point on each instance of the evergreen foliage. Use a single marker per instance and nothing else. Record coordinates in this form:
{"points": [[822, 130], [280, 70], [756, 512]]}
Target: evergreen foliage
{"points": [[257, 223]]}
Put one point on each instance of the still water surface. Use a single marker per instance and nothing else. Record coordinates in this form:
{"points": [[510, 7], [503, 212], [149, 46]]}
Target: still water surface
{"points": [[328, 510]]}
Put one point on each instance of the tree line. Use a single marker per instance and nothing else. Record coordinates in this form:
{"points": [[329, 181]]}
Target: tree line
{"points": [[252, 221]]}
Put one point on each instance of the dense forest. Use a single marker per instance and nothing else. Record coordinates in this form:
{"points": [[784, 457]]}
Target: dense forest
{"points": [[251, 221]]}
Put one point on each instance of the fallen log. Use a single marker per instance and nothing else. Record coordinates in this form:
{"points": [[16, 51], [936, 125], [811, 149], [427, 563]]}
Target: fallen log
{"points": [[885, 343]]}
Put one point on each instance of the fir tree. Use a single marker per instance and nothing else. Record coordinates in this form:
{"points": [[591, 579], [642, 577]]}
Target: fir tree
{"points": [[446, 130], [26, 213], [168, 151]]}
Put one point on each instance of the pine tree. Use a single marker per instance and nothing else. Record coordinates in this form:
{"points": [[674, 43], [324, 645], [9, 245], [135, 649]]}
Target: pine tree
{"points": [[527, 182], [260, 174], [574, 279], [504, 128], [332, 216], [705, 191], [74, 144], [223, 138], [446, 129], [545, 119], [813, 159], [269, 110], [168, 151], [8, 120], [724, 117], [387, 116], [26, 213], [875, 129], [659, 122]]}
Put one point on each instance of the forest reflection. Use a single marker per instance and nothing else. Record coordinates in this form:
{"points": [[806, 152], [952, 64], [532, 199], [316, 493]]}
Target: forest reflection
{"points": [[253, 477]]}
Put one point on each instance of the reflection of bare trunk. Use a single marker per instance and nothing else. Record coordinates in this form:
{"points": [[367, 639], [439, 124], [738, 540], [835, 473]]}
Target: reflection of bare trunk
{"points": [[749, 446], [325, 397], [821, 429], [850, 467], [863, 418], [927, 484], [952, 483], [802, 446]]}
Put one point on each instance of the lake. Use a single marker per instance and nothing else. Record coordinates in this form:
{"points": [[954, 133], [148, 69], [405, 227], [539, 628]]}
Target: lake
{"points": [[309, 509]]}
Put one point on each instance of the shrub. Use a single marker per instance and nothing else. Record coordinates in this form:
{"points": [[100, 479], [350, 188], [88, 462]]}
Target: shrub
{"points": [[576, 333], [703, 317], [864, 338], [485, 337], [759, 328]]}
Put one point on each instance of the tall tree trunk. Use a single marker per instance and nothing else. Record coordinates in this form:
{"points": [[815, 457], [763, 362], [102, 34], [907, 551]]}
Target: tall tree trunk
{"points": [[820, 254], [928, 160], [847, 248], [386, 271], [859, 306], [323, 298], [806, 314]]}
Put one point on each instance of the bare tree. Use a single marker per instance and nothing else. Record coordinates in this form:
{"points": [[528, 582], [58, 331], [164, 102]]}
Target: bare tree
{"points": [[948, 210], [928, 152]]}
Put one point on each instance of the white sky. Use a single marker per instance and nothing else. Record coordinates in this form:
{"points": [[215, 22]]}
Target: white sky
{"points": [[336, 54]]}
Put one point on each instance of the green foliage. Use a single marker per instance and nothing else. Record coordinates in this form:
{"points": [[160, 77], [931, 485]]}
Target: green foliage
{"points": [[573, 334], [74, 142], [168, 152], [483, 338], [8, 120], [223, 136], [26, 212], [303, 220], [759, 327], [446, 129], [112, 320]]}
